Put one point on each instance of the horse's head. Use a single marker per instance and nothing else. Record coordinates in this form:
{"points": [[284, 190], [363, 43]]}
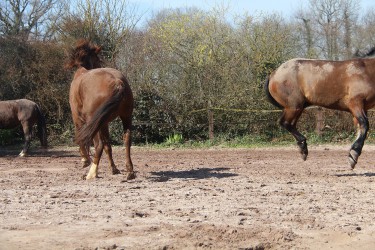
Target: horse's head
{"points": [[84, 54], [365, 53]]}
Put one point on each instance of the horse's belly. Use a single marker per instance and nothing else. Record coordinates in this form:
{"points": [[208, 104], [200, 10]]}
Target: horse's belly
{"points": [[8, 123], [331, 103]]}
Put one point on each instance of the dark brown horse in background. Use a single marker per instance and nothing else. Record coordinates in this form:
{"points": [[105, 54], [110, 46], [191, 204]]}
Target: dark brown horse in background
{"points": [[97, 96], [26, 113], [341, 85]]}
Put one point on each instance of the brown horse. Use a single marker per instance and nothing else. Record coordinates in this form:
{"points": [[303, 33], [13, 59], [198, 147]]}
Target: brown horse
{"points": [[97, 96], [341, 85], [26, 113]]}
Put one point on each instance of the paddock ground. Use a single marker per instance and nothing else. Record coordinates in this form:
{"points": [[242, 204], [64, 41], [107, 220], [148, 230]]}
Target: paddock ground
{"points": [[218, 198]]}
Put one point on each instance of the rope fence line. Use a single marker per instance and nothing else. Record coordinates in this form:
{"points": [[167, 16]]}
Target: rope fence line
{"points": [[254, 110], [238, 110], [264, 111]]}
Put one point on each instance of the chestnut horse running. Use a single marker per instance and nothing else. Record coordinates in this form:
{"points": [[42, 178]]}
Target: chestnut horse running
{"points": [[341, 85], [26, 113], [97, 96]]}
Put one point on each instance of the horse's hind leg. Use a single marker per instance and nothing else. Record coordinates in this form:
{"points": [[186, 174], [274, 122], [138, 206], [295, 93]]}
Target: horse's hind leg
{"points": [[126, 123], [289, 120], [27, 130], [93, 171], [360, 118], [108, 150], [83, 151]]}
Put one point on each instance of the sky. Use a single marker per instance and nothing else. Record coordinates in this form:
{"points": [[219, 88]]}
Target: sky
{"points": [[239, 6], [236, 7]]}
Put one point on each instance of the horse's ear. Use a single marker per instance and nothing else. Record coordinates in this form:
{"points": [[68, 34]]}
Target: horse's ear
{"points": [[97, 49]]}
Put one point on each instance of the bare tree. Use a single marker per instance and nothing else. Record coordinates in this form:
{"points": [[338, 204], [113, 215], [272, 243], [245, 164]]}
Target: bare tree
{"points": [[27, 19], [365, 38], [333, 23], [305, 31]]}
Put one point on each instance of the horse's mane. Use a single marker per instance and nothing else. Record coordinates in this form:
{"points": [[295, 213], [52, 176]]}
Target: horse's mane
{"points": [[362, 54], [78, 55]]}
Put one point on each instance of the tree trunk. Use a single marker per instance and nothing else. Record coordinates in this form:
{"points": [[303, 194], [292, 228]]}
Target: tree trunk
{"points": [[210, 121]]}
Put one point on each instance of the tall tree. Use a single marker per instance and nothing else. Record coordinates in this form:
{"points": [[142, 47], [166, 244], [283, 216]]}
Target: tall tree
{"points": [[198, 45], [333, 24], [105, 22]]}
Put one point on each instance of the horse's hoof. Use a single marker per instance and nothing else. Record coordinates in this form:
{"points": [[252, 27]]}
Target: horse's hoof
{"points": [[89, 177], [352, 163], [130, 176], [303, 149], [22, 154], [115, 171], [353, 158], [85, 163]]}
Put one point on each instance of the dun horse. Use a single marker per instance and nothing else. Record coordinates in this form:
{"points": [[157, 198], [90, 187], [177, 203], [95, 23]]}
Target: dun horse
{"points": [[26, 113], [341, 85], [97, 96]]}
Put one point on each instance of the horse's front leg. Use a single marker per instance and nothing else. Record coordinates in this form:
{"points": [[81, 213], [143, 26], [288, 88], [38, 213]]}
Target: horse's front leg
{"points": [[108, 150], [128, 160], [362, 129], [112, 165], [85, 156], [126, 123]]}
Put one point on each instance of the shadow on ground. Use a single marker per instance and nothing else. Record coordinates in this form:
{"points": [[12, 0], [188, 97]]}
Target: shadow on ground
{"points": [[368, 174], [200, 173], [37, 152]]}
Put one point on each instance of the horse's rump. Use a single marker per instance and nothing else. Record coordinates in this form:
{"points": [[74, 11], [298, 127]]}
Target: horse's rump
{"points": [[42, 127], [269, 96], [101, 116]]}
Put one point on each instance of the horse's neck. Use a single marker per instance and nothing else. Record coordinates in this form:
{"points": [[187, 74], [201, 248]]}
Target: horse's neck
{"points": [[80, 71]]}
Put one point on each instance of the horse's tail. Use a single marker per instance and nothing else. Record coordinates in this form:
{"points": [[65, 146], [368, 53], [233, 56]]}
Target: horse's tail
{"points": [[42, 128], [269, 96], [86, 134]]}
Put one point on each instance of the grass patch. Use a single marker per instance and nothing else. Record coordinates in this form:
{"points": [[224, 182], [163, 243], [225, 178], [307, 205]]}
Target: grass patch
{"points": [[260, 140]]}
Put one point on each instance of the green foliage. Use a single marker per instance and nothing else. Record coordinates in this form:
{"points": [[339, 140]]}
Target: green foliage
{"points": [[7, 136], [174, 139]]}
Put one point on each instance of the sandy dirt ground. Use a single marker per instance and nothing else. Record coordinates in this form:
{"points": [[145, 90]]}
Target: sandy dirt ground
{"points": [[265, 198]]}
